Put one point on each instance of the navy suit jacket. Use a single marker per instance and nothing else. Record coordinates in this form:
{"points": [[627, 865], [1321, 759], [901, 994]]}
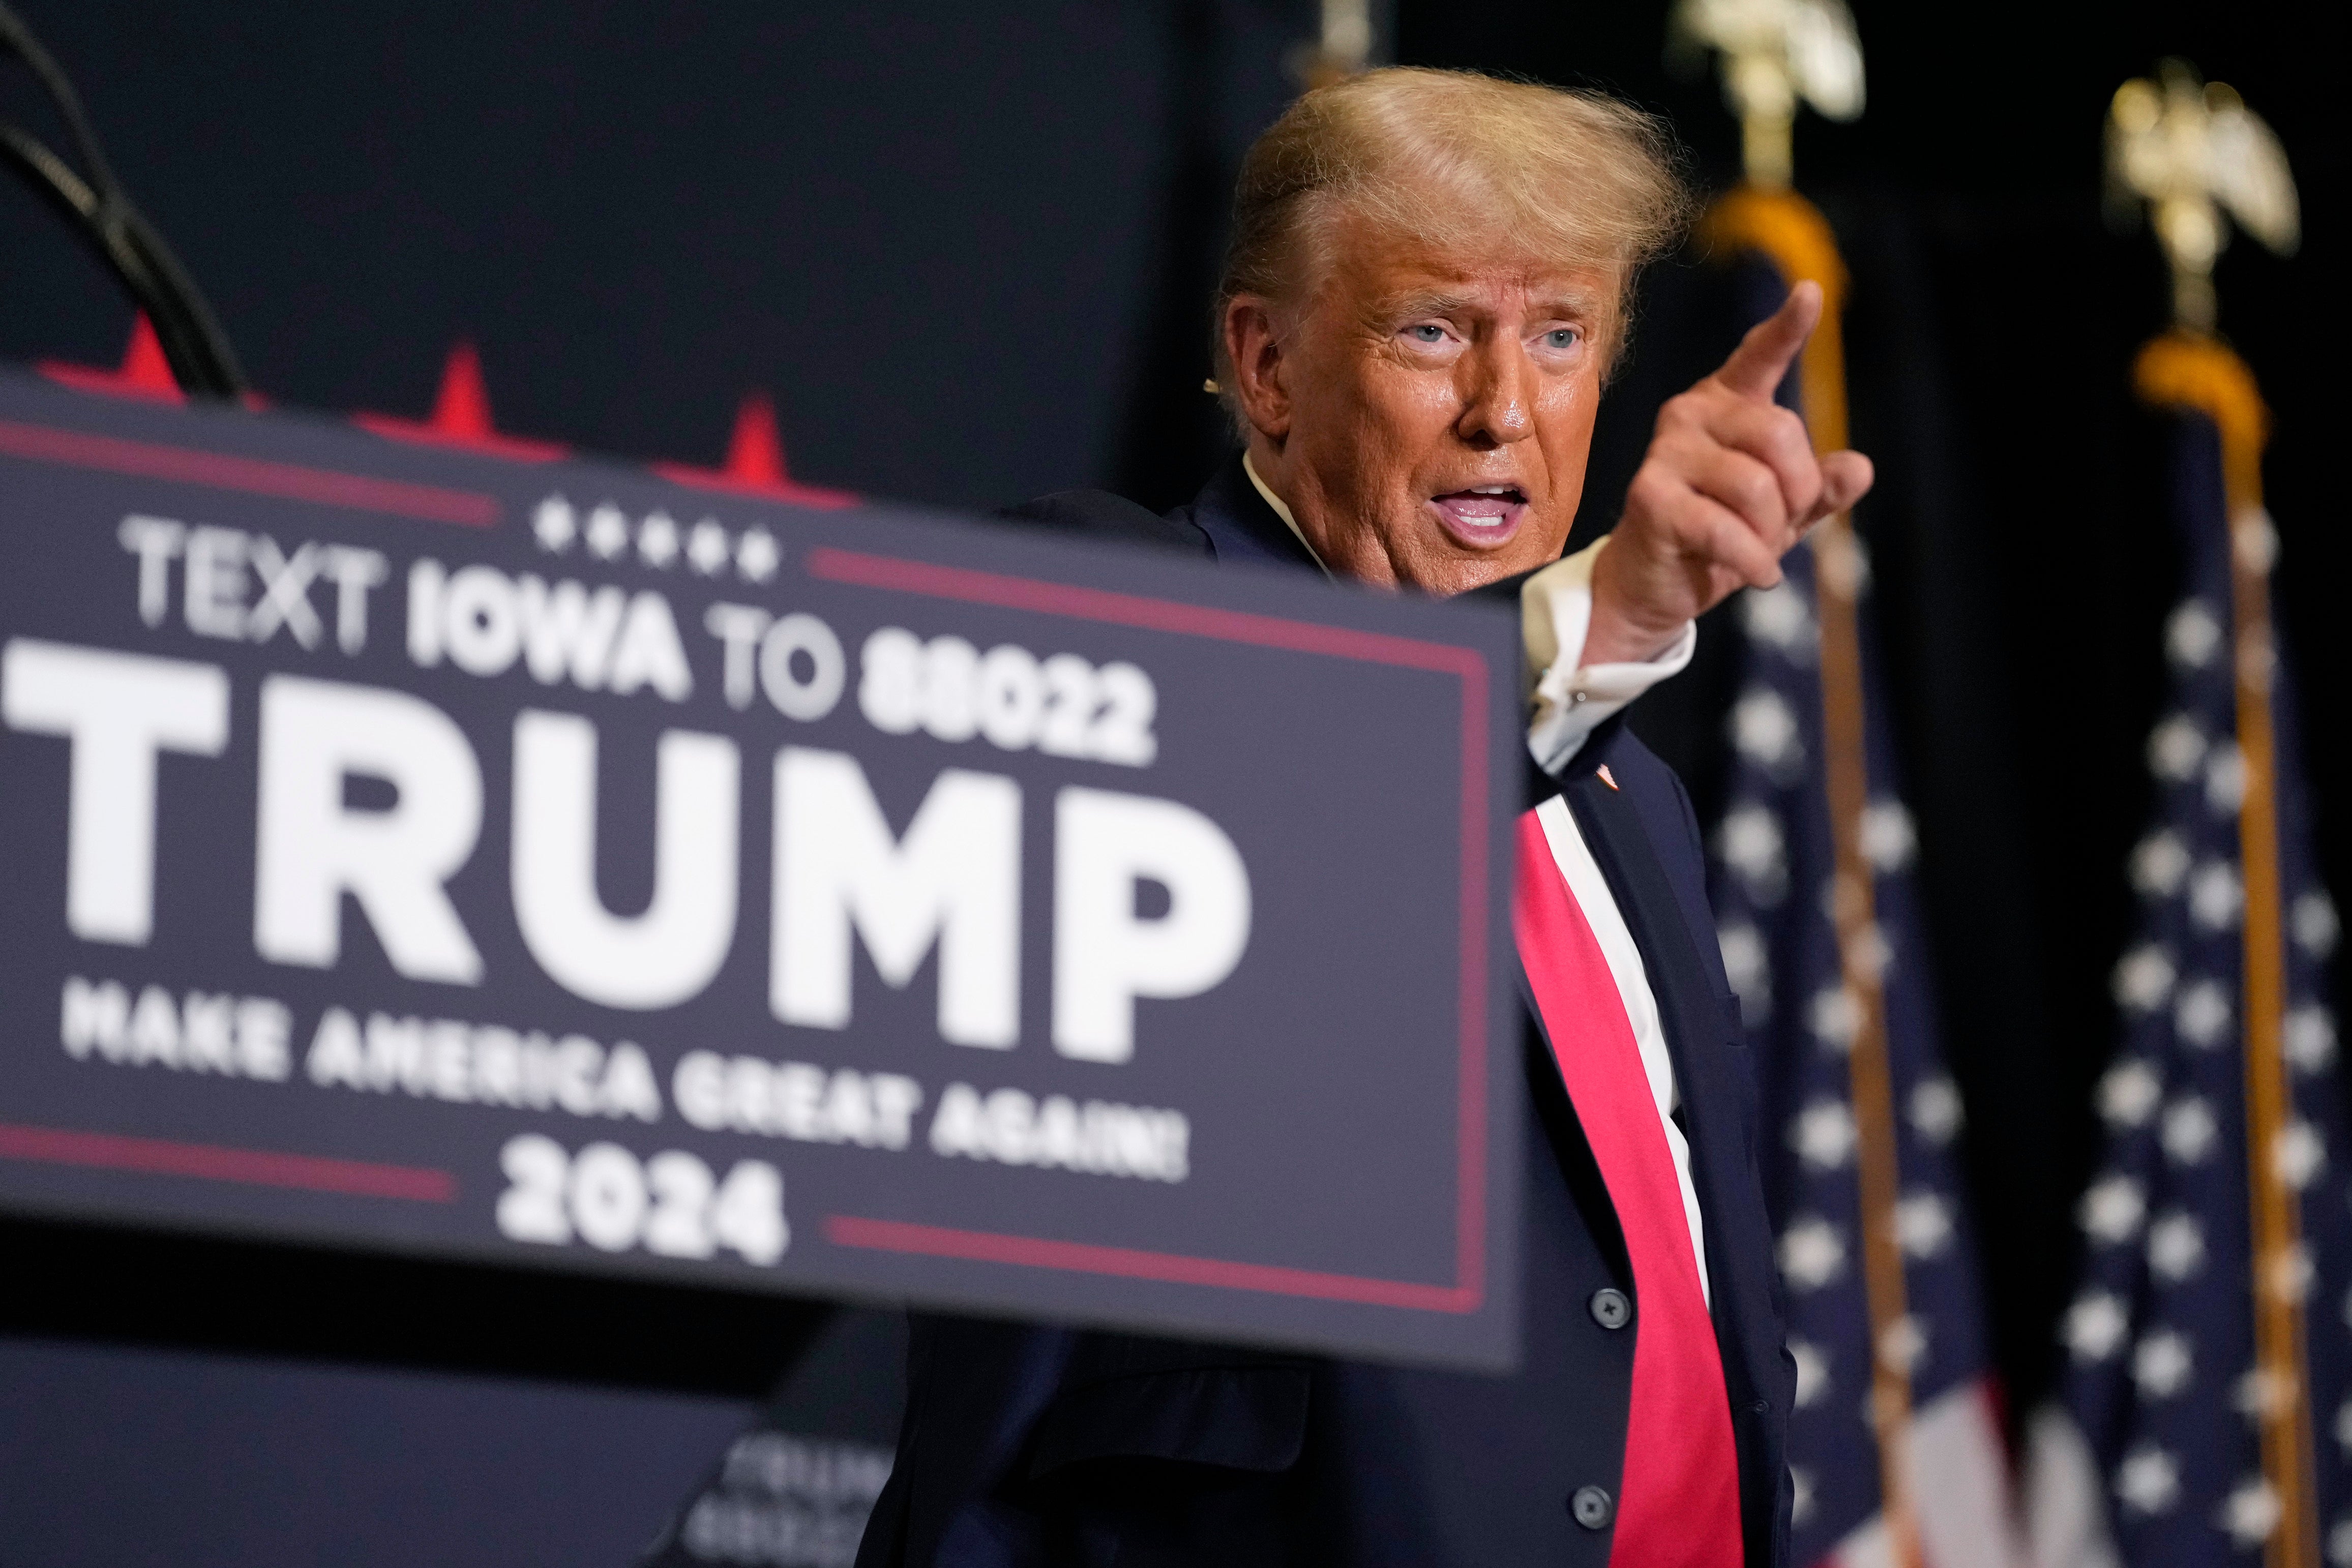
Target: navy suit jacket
{"points": [[1031, 1445]]}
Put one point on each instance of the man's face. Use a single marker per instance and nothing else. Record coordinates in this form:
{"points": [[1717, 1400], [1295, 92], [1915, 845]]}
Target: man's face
{"points": [[1427, 414]]}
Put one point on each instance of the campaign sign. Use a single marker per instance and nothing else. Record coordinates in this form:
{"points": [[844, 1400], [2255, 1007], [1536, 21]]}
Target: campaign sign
{"points": [[546, 863]]}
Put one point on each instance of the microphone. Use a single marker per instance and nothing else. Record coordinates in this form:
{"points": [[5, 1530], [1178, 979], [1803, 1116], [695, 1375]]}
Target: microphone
{"points": [[94, 204]]}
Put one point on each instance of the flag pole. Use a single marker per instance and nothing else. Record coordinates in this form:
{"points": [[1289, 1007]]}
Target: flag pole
{"points": [[1763, 78], [2156, 136], [1790, 232], [2188, 372], [1344, 45]]}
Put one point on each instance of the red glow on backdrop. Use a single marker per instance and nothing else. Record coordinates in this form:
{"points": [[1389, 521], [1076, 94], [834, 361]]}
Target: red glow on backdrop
{"points": [[144, 373], [755, 462], [461, 416]]}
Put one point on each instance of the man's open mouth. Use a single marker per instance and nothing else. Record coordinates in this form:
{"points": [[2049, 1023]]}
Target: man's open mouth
{"points": [[1482, 515]]}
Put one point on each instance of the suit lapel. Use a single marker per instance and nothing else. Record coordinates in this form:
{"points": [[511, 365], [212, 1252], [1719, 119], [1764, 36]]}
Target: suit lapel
{"points": [[1699, 1040], [1242, 526], [1698, 1034]]}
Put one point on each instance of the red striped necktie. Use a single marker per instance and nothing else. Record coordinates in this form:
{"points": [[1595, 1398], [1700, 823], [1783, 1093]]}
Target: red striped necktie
{"points": [[1678, 1503]]}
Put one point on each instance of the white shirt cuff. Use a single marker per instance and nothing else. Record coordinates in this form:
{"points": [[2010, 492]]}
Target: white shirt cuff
{"points": [[1570, 698]]}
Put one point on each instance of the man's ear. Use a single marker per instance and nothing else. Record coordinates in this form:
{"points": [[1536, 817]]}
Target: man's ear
{"points": [[1255, 351]]}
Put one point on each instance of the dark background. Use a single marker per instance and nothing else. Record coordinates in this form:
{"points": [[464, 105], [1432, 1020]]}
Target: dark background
{"points": [[967, 249]]}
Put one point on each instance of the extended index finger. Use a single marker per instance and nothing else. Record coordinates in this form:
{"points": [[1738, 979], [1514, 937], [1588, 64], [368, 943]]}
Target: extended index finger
{"points": [[1763, 357]]}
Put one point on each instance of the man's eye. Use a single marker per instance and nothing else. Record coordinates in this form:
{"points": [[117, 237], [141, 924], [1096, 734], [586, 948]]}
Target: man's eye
{"points": [[1426, 332], [1562, 338]]}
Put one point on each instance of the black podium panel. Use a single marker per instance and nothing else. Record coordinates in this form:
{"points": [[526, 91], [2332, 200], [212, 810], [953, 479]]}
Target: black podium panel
{"points": [[424, 854]]}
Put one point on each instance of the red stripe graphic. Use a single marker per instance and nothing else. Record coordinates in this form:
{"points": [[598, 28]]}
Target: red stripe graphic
{"points": [[210, 1162], [984, 1247], [1470, 1192], [1132, 609], [253, 476]]}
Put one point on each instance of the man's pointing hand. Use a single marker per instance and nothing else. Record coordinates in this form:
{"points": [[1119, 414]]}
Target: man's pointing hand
{"points": [[1729, 485]]}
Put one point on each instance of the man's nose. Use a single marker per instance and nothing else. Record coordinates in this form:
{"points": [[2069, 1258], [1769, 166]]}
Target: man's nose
{"points": [[1494, 402]]}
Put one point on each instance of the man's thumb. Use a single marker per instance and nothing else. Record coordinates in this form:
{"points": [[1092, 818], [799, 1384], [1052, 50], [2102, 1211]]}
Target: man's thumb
{"points": [[1763, 357]]}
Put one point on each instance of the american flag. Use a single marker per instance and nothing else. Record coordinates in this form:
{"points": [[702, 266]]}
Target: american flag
{"points": [[1862, 1117], [2166, 1398], [1772, 886]]}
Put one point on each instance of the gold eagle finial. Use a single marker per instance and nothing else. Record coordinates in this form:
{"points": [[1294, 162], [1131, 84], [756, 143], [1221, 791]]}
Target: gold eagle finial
{"points": [[2192, 152], [1343, 47], [1774, 52]]}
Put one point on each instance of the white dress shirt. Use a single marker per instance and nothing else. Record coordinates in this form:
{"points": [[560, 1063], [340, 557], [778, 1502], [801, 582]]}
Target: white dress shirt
{"points": [[1569, 700]]}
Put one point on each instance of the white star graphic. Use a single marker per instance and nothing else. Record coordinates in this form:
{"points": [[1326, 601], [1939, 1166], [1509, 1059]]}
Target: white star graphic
{"points": [[1849, 566], [2189, 1130], [1800, 1489], [2095, 1326], [1888, 839], [2289, 1272], [1868, 952], [757, 555], [2144, 978], [2297, 1154], [553, 523], [2129, 1094], [1904, 1343], [1749, 968], [2253, 540], [2112, 1209], [2251, 1512], [2158, 863], [2175, 1246], [2311, 1040], [2225, 779], [1836, 1017], [2162, 1363], [1813, 1372], [1764, 728], [2191, 635], [608, 531], [2315, 923], [1749, 842], [2175, 748], [1779, 618], [1813, 1252], [1923, 1224], [2202, 1016], [1823, 1134], [706, 548], [1937, 1111], [657, 540], [2216, 897], [2149, 1480], [2259, 1393]]}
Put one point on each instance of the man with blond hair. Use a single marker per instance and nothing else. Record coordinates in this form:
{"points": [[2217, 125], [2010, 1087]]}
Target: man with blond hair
{"points": [[1428, 281]]}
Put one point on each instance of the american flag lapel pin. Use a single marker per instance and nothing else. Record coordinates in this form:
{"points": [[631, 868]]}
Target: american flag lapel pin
{"points": [[1603, 771]]}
